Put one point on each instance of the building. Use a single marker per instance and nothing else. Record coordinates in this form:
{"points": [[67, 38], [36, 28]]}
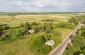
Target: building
{"points": [[49, 43]]}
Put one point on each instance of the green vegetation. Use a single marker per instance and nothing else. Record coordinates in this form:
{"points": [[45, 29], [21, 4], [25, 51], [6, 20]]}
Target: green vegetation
{"points": [[78, 41], [16, 20], [22, 42], [13, 34], [78, 44], [38, 44], [4, 27]]}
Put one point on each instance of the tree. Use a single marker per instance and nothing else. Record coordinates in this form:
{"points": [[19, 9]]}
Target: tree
{"points": [[34, 24], [48, 30], [4, 27], [83, 51], [73, 20], [37, 29], [27, 26], [13, 34], [77, 53], [78, 40]]}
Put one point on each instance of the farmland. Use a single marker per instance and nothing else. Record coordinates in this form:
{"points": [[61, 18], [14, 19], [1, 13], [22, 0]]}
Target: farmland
{"points": [[17, 41]]}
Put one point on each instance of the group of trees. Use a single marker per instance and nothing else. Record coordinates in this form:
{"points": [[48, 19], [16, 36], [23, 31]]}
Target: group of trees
{"points": [[4, 27], [76, 19], [27, 26], [65, 25], [38, 43], [49, 20], [78, 41], [13, 34]]}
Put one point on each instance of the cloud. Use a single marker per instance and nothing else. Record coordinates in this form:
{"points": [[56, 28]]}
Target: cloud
{"points": [[42, 5], [19, 3]]}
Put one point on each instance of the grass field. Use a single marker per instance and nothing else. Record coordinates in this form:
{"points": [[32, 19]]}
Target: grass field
{"points": [[18, 19]]}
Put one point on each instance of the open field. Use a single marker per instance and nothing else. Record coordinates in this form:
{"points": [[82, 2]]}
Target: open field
{"points": [[18, 19]]}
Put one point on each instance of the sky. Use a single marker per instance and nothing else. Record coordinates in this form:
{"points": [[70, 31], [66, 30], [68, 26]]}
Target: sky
{"points": [[42, 5]]}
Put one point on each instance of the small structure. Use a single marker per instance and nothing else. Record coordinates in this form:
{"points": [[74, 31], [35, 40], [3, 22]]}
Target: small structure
{"points": [[49, 43], [31, 31], [81, 54]]}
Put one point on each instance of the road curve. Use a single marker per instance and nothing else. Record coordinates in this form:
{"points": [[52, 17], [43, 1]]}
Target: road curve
{"points": [[60, 49]]}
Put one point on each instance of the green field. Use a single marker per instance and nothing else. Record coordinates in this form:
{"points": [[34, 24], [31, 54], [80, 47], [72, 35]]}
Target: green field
{"points": [[25, 45]]}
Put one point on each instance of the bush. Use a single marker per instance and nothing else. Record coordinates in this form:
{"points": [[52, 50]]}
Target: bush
{"points": [[83, 51], [65, 25], [77, 19], [34, 23], [27, 26], [13, 34], [77, 53], [38, 44], [78, 41], [48, 30], [4, 27], [36, 28], [73, 20]]}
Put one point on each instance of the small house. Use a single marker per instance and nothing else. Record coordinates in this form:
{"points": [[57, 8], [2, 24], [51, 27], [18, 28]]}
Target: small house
{"points": [[49, 43], [31, 31]]}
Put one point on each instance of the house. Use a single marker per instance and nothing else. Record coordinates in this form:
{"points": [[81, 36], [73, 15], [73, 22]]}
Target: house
{"points": [[31, 31], [49, 43], [81, 54]]}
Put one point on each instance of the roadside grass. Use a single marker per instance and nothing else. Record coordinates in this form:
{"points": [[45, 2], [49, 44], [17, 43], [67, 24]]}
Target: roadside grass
{"points": [[64, 32]]}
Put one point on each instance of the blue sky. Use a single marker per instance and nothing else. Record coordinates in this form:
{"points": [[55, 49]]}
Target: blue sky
{"points": [[42, 5]]}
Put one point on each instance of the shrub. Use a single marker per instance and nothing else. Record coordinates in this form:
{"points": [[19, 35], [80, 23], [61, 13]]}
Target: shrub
{"points": [[13, 34], [38, 44], [27, 26], [36, 28], [4, 27], [65, 25], [48, 30]]}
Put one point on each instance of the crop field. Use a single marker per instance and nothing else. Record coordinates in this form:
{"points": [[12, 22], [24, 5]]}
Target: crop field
{"points": [[18, 41]]}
